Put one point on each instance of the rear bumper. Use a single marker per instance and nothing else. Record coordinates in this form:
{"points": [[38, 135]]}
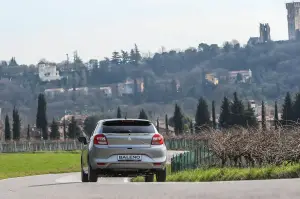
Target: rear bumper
{"points": [[153, 158], [124, 173]]}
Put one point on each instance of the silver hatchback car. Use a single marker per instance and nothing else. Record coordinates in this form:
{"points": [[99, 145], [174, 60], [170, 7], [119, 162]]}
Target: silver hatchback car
{"points": [[124, 148]]}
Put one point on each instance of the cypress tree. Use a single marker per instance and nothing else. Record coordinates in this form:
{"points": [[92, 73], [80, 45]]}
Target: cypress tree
{"points": [[191, 127], [213, 110], [74, 130], [296, 108], [287, 110], [225, 115], [90, 124], [202, 117], [167, 123], [263, 116], [28, 132], [237, 112], [16, 129], [119, 115], [7, 132], [41, 118], [65, 128], [143, 115], [54, 134], [276, 118], [178, 120]]}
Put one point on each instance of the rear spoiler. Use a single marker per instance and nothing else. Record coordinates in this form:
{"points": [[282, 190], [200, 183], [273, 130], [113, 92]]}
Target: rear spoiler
{"points": [[126, 122]]}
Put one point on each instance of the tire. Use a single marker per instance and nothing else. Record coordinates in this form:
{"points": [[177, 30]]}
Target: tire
{"points": [[84, 176], [161, 175], [92, 175], [149, 178]]}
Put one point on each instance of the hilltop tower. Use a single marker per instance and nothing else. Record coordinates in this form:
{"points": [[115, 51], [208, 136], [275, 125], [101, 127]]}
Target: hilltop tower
{"points": [[293, 18], [264, 33]]}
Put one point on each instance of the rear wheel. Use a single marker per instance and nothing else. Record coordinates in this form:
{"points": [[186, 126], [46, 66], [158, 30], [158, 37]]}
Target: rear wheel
{"points": [[149, 178], [161, 175], [84, 176], [92, 175]]}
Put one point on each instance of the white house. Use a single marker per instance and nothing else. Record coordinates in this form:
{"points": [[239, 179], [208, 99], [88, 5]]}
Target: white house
{"points": [[127, 87], [47, 71], [246, 75], [106, 91], [81, 90], [54, 91]]}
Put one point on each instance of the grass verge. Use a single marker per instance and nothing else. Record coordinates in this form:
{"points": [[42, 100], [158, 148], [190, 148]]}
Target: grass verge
{"points": [[230, 174], [26, 164]]}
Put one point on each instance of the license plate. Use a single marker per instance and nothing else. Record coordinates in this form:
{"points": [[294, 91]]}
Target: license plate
{"points": [[129, 157]]}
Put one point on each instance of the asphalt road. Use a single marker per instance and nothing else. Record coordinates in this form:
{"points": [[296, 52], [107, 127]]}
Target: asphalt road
{"points": [[64, 186]]}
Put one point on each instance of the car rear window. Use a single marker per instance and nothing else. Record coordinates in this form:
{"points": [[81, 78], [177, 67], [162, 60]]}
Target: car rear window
{"points": [[128, 126]]}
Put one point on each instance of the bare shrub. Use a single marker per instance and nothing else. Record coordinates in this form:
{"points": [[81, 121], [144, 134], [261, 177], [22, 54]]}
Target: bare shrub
{"points": [[241, 147], [252, 147]]}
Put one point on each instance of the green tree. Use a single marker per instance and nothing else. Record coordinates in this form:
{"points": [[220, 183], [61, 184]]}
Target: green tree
{"points": [[167, 123], [54, 134], [287, 110], [143, 115], [125, 57], [65, 128], [132, 56], [276, 118], [263, 116], [16, 129], [41, 118], [178, 120], [225, 115], [296, 108], [73, 130], [202, 117], [90, 124], [7, 132], [116, 58], [137, 55], [119, 115], [13, 62], [191, 127], [213, 110], [237, 111], [28, 132]]}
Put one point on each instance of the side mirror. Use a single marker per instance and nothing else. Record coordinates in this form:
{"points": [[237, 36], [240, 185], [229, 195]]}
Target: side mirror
{"points": [[82, 140]]}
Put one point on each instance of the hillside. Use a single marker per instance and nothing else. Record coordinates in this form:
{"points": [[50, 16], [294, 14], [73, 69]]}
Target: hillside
{"points": [[167, 77]]}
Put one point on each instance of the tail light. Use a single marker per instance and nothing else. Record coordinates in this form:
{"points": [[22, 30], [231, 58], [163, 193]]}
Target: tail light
{"points": [[157, 139], [100, 139]]}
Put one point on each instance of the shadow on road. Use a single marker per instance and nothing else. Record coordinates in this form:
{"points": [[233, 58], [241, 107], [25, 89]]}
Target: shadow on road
{"points": [[53, 184]]}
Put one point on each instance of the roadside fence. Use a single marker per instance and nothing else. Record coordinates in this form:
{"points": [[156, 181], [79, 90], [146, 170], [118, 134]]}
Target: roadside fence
{"points": [[71, 145]]}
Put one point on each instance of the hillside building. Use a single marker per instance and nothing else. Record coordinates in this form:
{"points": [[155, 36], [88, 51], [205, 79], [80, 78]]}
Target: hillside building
{"points": [[293, 19]]}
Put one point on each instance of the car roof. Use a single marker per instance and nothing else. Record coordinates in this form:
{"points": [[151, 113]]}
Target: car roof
{"points": [[120, 119]]}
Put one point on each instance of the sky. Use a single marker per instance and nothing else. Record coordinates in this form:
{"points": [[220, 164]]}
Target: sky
{"points": [[34, 29]]}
